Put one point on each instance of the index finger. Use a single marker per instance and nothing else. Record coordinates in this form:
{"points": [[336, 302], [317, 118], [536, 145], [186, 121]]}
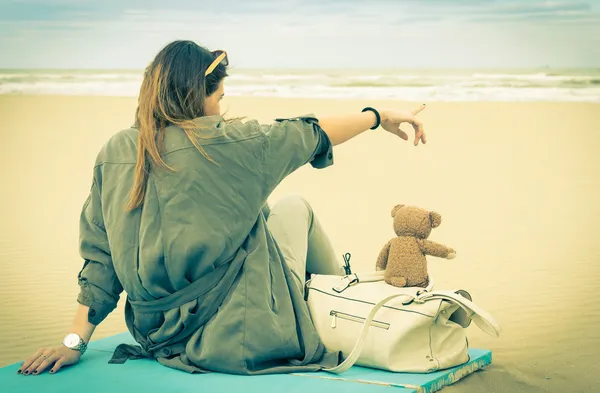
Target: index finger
{"points": [[419, 109]]}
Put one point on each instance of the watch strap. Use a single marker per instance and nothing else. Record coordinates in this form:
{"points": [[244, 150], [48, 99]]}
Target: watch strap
{"points": [[81, 347]]}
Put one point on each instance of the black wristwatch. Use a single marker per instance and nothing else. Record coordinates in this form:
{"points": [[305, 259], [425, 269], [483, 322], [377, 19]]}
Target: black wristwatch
{"points": [[376, 115]]}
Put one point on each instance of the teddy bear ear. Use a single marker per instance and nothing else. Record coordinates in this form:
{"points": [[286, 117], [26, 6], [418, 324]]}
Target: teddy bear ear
{"points": [[395, 210], [435, 219]]}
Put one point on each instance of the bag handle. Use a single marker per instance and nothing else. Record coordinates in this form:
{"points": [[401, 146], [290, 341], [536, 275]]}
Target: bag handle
{"points": [[358, 346], [483, 320], [368, 276]]}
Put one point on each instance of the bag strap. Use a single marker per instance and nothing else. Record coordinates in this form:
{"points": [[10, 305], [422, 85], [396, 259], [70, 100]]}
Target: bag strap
{"points": [[373, 276], [358, 346], [354, 278], [370, 276], [483, 320]]}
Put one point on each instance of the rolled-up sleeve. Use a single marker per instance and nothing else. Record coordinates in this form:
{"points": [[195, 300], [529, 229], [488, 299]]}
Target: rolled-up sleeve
{"points": [[293, 142], [100, 288]]}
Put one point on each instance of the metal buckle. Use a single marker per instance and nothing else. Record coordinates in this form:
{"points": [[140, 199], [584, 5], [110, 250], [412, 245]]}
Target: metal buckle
{"points": [[347, 268], [307, 288]]}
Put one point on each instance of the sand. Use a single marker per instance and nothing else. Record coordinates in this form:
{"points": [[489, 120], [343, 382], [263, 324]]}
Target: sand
{"points": [[517, 185]]}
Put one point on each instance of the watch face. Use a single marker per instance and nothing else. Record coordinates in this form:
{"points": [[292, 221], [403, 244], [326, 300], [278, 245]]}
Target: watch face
{"points": [[72, 340]]}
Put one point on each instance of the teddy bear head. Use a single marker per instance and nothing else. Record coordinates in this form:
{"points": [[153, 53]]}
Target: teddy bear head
{"points": [[414, 221]]}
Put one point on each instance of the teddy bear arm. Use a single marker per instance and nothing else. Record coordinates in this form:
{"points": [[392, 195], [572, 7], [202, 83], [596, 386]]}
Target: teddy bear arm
{"points": [[382, 259], [429, 247]]}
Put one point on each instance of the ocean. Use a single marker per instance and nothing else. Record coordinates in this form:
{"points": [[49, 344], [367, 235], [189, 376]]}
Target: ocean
{"points": [[543, 84]]}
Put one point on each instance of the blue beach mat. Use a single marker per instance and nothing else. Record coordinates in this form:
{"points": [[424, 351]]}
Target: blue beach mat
{"points": [[94, 375]]}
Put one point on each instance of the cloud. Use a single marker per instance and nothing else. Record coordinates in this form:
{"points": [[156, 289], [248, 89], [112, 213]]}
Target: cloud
{"points": [[412, 11], [106, 9], [52, 11], [548, 7], [335, 33]]}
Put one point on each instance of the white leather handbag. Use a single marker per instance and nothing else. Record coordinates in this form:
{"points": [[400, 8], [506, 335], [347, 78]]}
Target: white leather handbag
{"points": [[381, 326]]}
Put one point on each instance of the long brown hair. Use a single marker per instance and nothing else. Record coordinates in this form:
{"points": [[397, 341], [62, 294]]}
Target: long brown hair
{"points": [[172, 93]]}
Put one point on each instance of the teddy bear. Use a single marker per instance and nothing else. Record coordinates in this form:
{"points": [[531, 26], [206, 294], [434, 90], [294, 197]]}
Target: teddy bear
{"points": [[403, 258]]}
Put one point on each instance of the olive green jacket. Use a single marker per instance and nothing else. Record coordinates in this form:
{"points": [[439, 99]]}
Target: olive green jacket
{"points": [[207, 287]]}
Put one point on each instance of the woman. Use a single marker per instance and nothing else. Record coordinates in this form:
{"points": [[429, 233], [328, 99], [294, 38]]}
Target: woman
{"points": [[177, 218]]}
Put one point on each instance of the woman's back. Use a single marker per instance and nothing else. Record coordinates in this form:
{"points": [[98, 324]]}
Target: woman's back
{"points": [[182, 251], [192, 219]]}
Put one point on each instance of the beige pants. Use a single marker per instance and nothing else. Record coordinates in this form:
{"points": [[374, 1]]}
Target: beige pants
{"points": [[301, 239]]}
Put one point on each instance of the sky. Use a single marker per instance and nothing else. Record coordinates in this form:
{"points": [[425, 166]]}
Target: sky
{"points": [[126, 34]]}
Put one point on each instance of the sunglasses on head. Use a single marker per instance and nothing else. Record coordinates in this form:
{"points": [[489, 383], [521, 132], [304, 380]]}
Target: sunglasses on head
{"points": [[220, 58]]}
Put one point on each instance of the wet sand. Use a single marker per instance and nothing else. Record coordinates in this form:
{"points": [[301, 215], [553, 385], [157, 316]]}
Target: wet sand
{"points": [[517, 185]]}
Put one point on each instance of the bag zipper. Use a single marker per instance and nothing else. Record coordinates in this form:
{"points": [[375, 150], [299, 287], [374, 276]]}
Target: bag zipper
{"points": [[337, 314]]}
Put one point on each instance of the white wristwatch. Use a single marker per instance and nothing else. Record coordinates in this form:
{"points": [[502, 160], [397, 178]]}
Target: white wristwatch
{"points": [[75, 342]]}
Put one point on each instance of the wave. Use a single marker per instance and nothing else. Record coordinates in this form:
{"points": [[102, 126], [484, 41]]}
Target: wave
{"points": [[413, 85], [421, 94], [426, 80]]}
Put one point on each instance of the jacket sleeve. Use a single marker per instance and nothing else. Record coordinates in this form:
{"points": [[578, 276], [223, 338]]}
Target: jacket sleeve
{"points": [[293, 142], [100, 287]]}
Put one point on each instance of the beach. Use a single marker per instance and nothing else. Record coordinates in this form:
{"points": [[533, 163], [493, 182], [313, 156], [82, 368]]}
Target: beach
{"points": [[517, 185]]}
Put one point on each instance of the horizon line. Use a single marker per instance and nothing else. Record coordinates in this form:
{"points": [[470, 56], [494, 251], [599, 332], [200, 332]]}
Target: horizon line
{"points": [[545, 67]]}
